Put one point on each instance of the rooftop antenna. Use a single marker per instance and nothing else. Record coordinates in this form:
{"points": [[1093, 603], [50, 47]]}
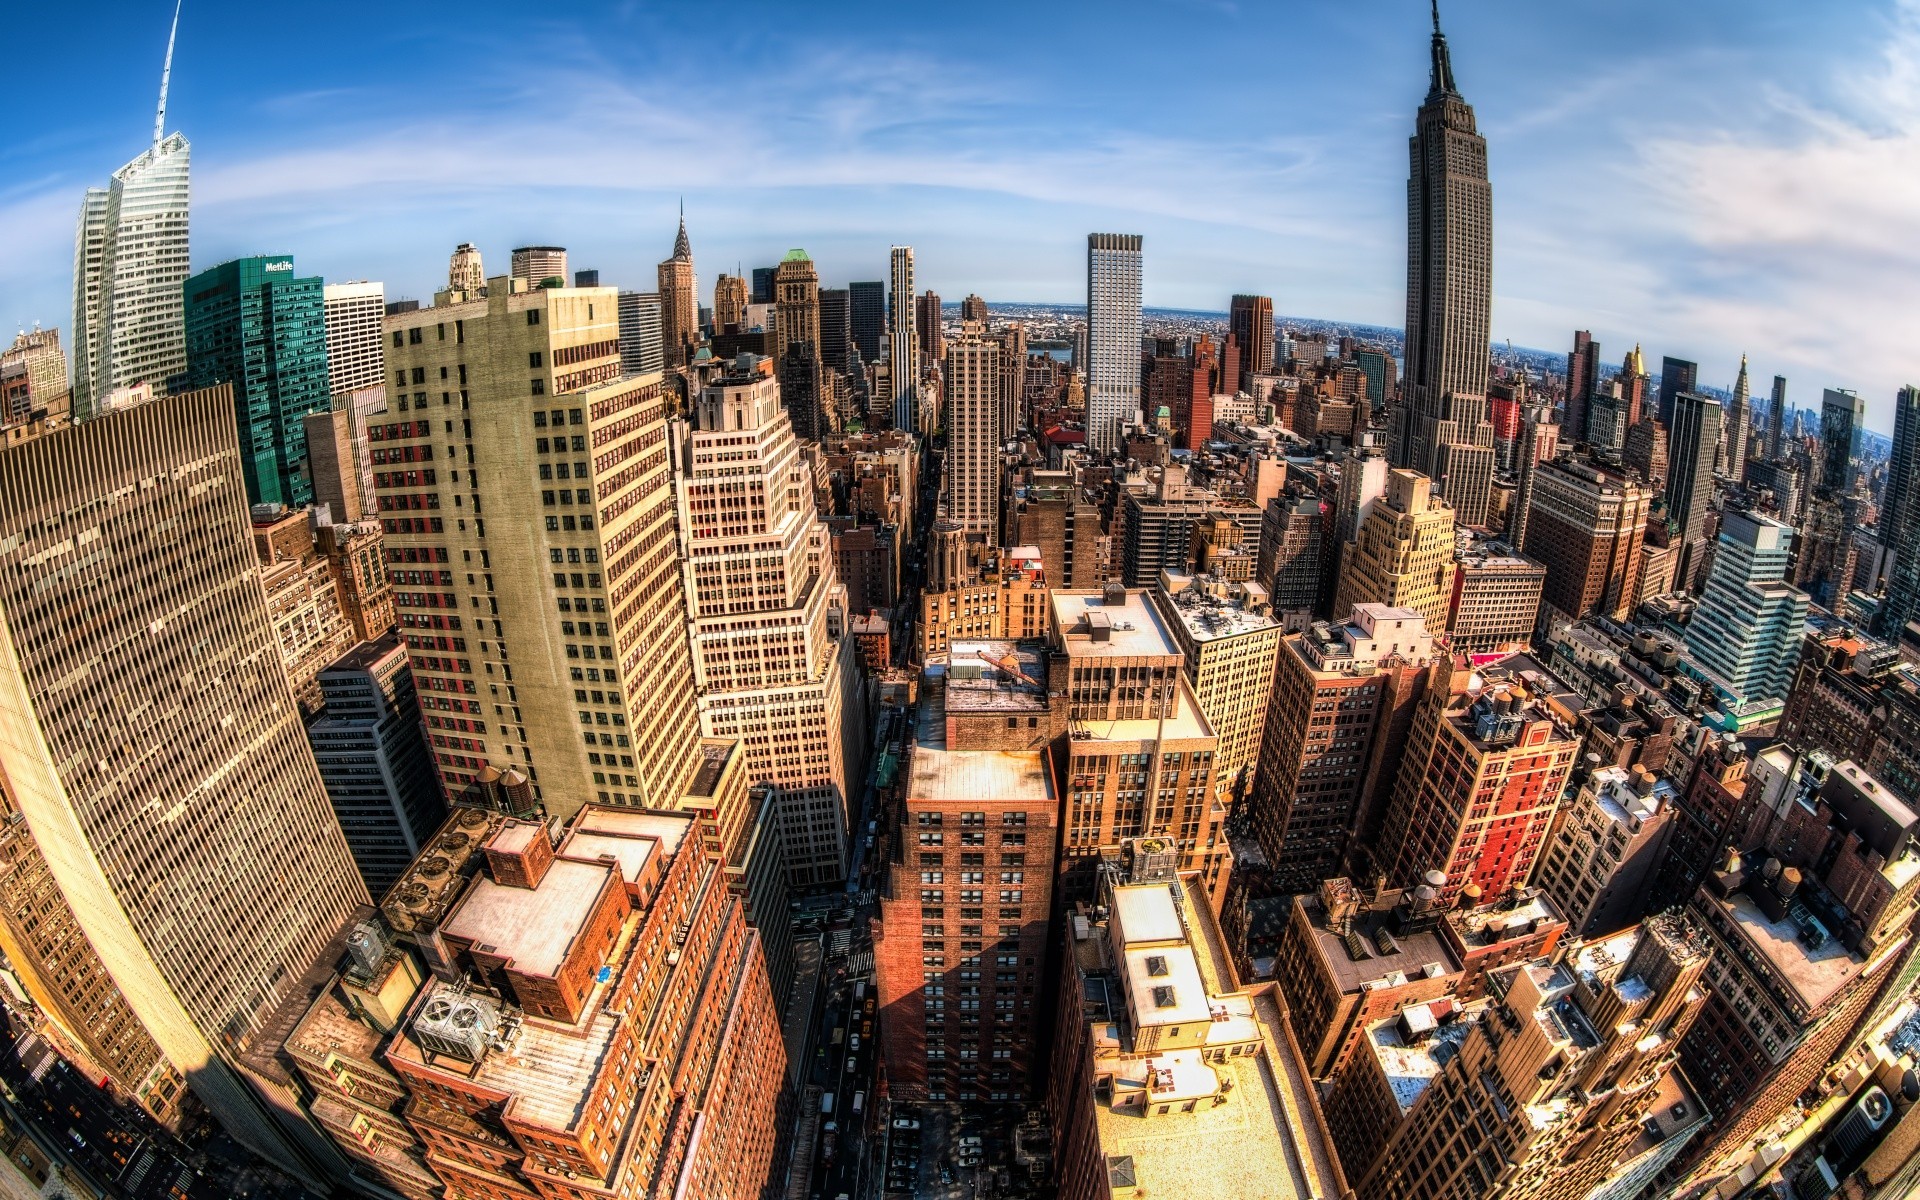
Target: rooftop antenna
{"points": [[166, 72]]}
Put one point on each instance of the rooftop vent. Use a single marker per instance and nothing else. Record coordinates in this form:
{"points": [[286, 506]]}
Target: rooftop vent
{"points": [[1163, 995], [1156, 964]]}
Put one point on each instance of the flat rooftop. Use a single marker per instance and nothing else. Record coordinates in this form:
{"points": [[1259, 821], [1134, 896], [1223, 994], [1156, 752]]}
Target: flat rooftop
{"points": [[1146, 913], [713, 761], [1135, 629], [985, 775], [667, 828], [992, 676], [1411, 1058], [1411, 955], [1813, 974], [1490, 924], [1186, 721], [530, 927], [1207, 617]]}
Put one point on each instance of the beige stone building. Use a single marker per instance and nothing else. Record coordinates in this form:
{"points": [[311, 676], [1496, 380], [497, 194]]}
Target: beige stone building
{"points": [[760, 586], [1230, 640], [527, 502], [1006, 601], [1402, 554], [971, 484]]}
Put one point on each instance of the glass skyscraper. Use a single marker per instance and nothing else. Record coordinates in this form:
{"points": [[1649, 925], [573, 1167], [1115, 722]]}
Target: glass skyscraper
{"points": [[867, 315], [252, 323], [1113, 337], [1746, 632]]}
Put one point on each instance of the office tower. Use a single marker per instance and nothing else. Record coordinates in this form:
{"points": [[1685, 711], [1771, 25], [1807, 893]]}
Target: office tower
{"points": [[1536, 1093], [972, 476], [739, 822], [1441, 428], [729, 303], [1379, 369], [1677, 375], [1250, 321], [1229, 641], [928, 325], [1167, 1079], [867, 317], [978, 826], [356, 557], [1599, 858], [1777, 420], [1112, 361], [33, 382], [1539, 443], [1141, 762], [586, 278], [373, 760], [642, 335], [1293, 563], [1363, 480], [1193, 403], [679, 300], [1483, 771], [1739, 425], [1003, 599], [903, 346], [1645, 452], [533, 266], [1156, 528], [1013, 373], [253, 324], [309, 623], [356, 356], [1692, 438], [1583, 381], [761, 291], [973, 308], [129, 260], [759, 579], [560, 673], [154, 673], [1402, 554], [1495, 601], [836, 328], [615, 960], [464, 270], [1586, 525], [1843, 418], [1900, 518], [1316, 782], [1746, 633]]}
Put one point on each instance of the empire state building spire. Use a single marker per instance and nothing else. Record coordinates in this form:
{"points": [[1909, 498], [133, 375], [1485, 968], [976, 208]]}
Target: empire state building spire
{"points": [[1441, 426]]}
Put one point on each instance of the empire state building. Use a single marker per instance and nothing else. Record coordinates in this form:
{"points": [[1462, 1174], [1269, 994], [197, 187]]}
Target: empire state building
{"points": [[1441, 426]]}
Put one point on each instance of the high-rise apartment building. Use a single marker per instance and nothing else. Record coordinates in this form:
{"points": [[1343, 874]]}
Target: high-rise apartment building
{"points": [[1441, 428], [867, 318], [1585, 525], [973, 308], [1402, 554], [730, 297], [374, 761], [759, 577], [1250, 321], [1693, 438], [254, 324], [1677, 375], [465, 270], [1745, 635], [927, 323], [1535, 1094], [129, 260], [1342, 706], [1843, 418], [356, 355], [903, 345], [642, 339], [1583, 381], [1482, 775], [136, 661], [533, 266], [978, 825], [1294, 562], [1113, 338], [679, 300], [1599, 860], [972, 476], [1900, 518], [527, 501]]}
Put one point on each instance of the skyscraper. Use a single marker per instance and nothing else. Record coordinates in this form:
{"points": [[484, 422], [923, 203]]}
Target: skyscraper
{"points": [[729, 303], [534, 265], [1583, 380], [465, 273], [867, 317], [1113, 338], [836, 328], [642, 341], [356, 356], [903, 349], [1402, 553], [804, 387], [973, 308], [1733, 436], [972, 477], [256, 325], [1586, 525], [148, 736], [1900, 518], [679, 301], [1441, 427], [1777, 419], [1693, 435], [927, 323], [1677, 375], [1746, 633], [560, 672], [1250, 321], [129, 260], [1843, 418]]}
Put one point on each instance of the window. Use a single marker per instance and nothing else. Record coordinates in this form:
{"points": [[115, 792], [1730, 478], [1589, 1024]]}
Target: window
{"points": [[413, 336], [533, 316], [533, 360], [539, 387]]}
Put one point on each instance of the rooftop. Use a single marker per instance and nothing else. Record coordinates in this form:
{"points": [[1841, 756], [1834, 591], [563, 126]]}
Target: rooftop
{"points": [[1410, 956], [976, 775], [1413, 1046], [992, 676], [1091, 627], [1814, 973], [531, 928], [1209, 610], [1497, 921]]}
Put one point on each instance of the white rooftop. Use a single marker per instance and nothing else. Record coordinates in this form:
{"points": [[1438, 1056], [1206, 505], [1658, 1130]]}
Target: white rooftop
{"points": [[529, 927], [1144, 913], [1135, 628]]}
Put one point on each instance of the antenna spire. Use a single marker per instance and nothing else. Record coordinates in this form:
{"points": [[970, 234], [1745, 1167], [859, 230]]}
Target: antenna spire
{"points": [[166, 73], [1436, 17]]}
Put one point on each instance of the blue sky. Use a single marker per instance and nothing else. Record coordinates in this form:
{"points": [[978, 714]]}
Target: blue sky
{"points": [[1706, 178]]}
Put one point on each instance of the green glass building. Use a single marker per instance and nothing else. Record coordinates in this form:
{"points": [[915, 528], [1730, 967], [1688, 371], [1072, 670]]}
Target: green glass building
{"points": [[253, 324]]}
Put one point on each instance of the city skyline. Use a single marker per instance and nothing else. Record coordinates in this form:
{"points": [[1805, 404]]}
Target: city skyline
{"points": [[1786, 275]]}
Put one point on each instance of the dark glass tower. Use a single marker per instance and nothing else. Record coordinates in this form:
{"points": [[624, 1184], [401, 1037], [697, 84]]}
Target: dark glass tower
{"points": [[867, 314], [1899, 520]]}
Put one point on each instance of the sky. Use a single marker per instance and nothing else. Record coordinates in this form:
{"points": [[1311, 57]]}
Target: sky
{"points": [[1706, 178]]}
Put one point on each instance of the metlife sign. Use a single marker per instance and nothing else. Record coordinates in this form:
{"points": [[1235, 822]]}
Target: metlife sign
{"points": [[285, 264]]}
